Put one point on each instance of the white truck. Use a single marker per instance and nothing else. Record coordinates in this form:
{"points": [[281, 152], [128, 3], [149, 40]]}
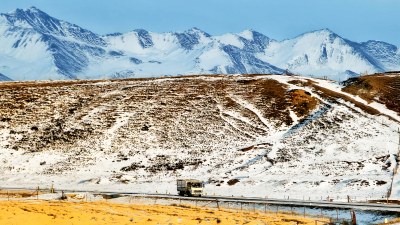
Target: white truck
{"points": [[189, 187]]}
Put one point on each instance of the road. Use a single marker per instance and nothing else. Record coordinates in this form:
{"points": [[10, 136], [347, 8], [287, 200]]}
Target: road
{"points": [[280, 202], [248, 200]]}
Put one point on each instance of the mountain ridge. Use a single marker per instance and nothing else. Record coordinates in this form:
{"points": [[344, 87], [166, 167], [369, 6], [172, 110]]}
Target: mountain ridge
{"points": [[4, 78], [38, 46]]}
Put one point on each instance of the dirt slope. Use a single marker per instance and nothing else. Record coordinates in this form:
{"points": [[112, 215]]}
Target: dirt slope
{"points": [[383, 88]]}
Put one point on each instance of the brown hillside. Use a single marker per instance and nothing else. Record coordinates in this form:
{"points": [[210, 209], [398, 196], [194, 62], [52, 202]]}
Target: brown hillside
{"points": [[49, 114], [142, 134], [383, 88]]}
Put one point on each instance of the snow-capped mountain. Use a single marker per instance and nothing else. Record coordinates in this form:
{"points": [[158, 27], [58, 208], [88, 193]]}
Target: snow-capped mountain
{"points": [[36, 46], [323, 52], [387, 55]]}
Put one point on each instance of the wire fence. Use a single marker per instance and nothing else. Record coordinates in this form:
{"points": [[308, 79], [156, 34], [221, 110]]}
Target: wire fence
{"points": [[334, 215]]}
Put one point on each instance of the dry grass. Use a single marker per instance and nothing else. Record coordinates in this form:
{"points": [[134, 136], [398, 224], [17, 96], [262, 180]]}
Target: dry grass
{"points": [[98, 213], [17, 193], [269, 96], [383, 88], [334, 96], [41, 111], [302, 83], [302, 101]]}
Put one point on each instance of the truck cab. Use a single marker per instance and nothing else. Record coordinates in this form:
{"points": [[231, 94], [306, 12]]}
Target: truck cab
{"points": [[190, 187]]}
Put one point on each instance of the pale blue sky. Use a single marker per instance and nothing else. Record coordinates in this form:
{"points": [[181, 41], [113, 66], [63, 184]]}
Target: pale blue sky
{"points": [[357, 20]]}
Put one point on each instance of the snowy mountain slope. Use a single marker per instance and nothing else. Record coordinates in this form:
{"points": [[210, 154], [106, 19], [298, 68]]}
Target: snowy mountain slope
{"points": [[245, 62], [277, 135], [321, 53], [193, 51], [189, 39], [36, 46], [60, 49], [22, 53], [248, 40], [41, 22], [387, 55]]}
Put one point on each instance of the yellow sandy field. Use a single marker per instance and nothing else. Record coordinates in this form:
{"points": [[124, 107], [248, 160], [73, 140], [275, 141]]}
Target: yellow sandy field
{"points": [[33, 212]]}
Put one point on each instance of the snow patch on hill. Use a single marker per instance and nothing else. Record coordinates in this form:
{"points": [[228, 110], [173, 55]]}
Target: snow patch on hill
{"points": [[141, 135]]}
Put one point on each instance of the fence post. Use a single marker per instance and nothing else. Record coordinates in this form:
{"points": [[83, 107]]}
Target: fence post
{"points": [[353, 217], [337, 215]]}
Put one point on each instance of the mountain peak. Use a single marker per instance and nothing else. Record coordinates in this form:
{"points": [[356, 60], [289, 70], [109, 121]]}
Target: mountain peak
{"points": [[323, 34], [324, 31], [29, 12], [140, 30], [251, 34], [31, 16], [247, 34], [34, 9], [195, 30]]}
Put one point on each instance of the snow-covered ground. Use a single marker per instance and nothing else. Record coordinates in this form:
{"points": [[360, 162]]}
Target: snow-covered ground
{"points": [[141, 135]]}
